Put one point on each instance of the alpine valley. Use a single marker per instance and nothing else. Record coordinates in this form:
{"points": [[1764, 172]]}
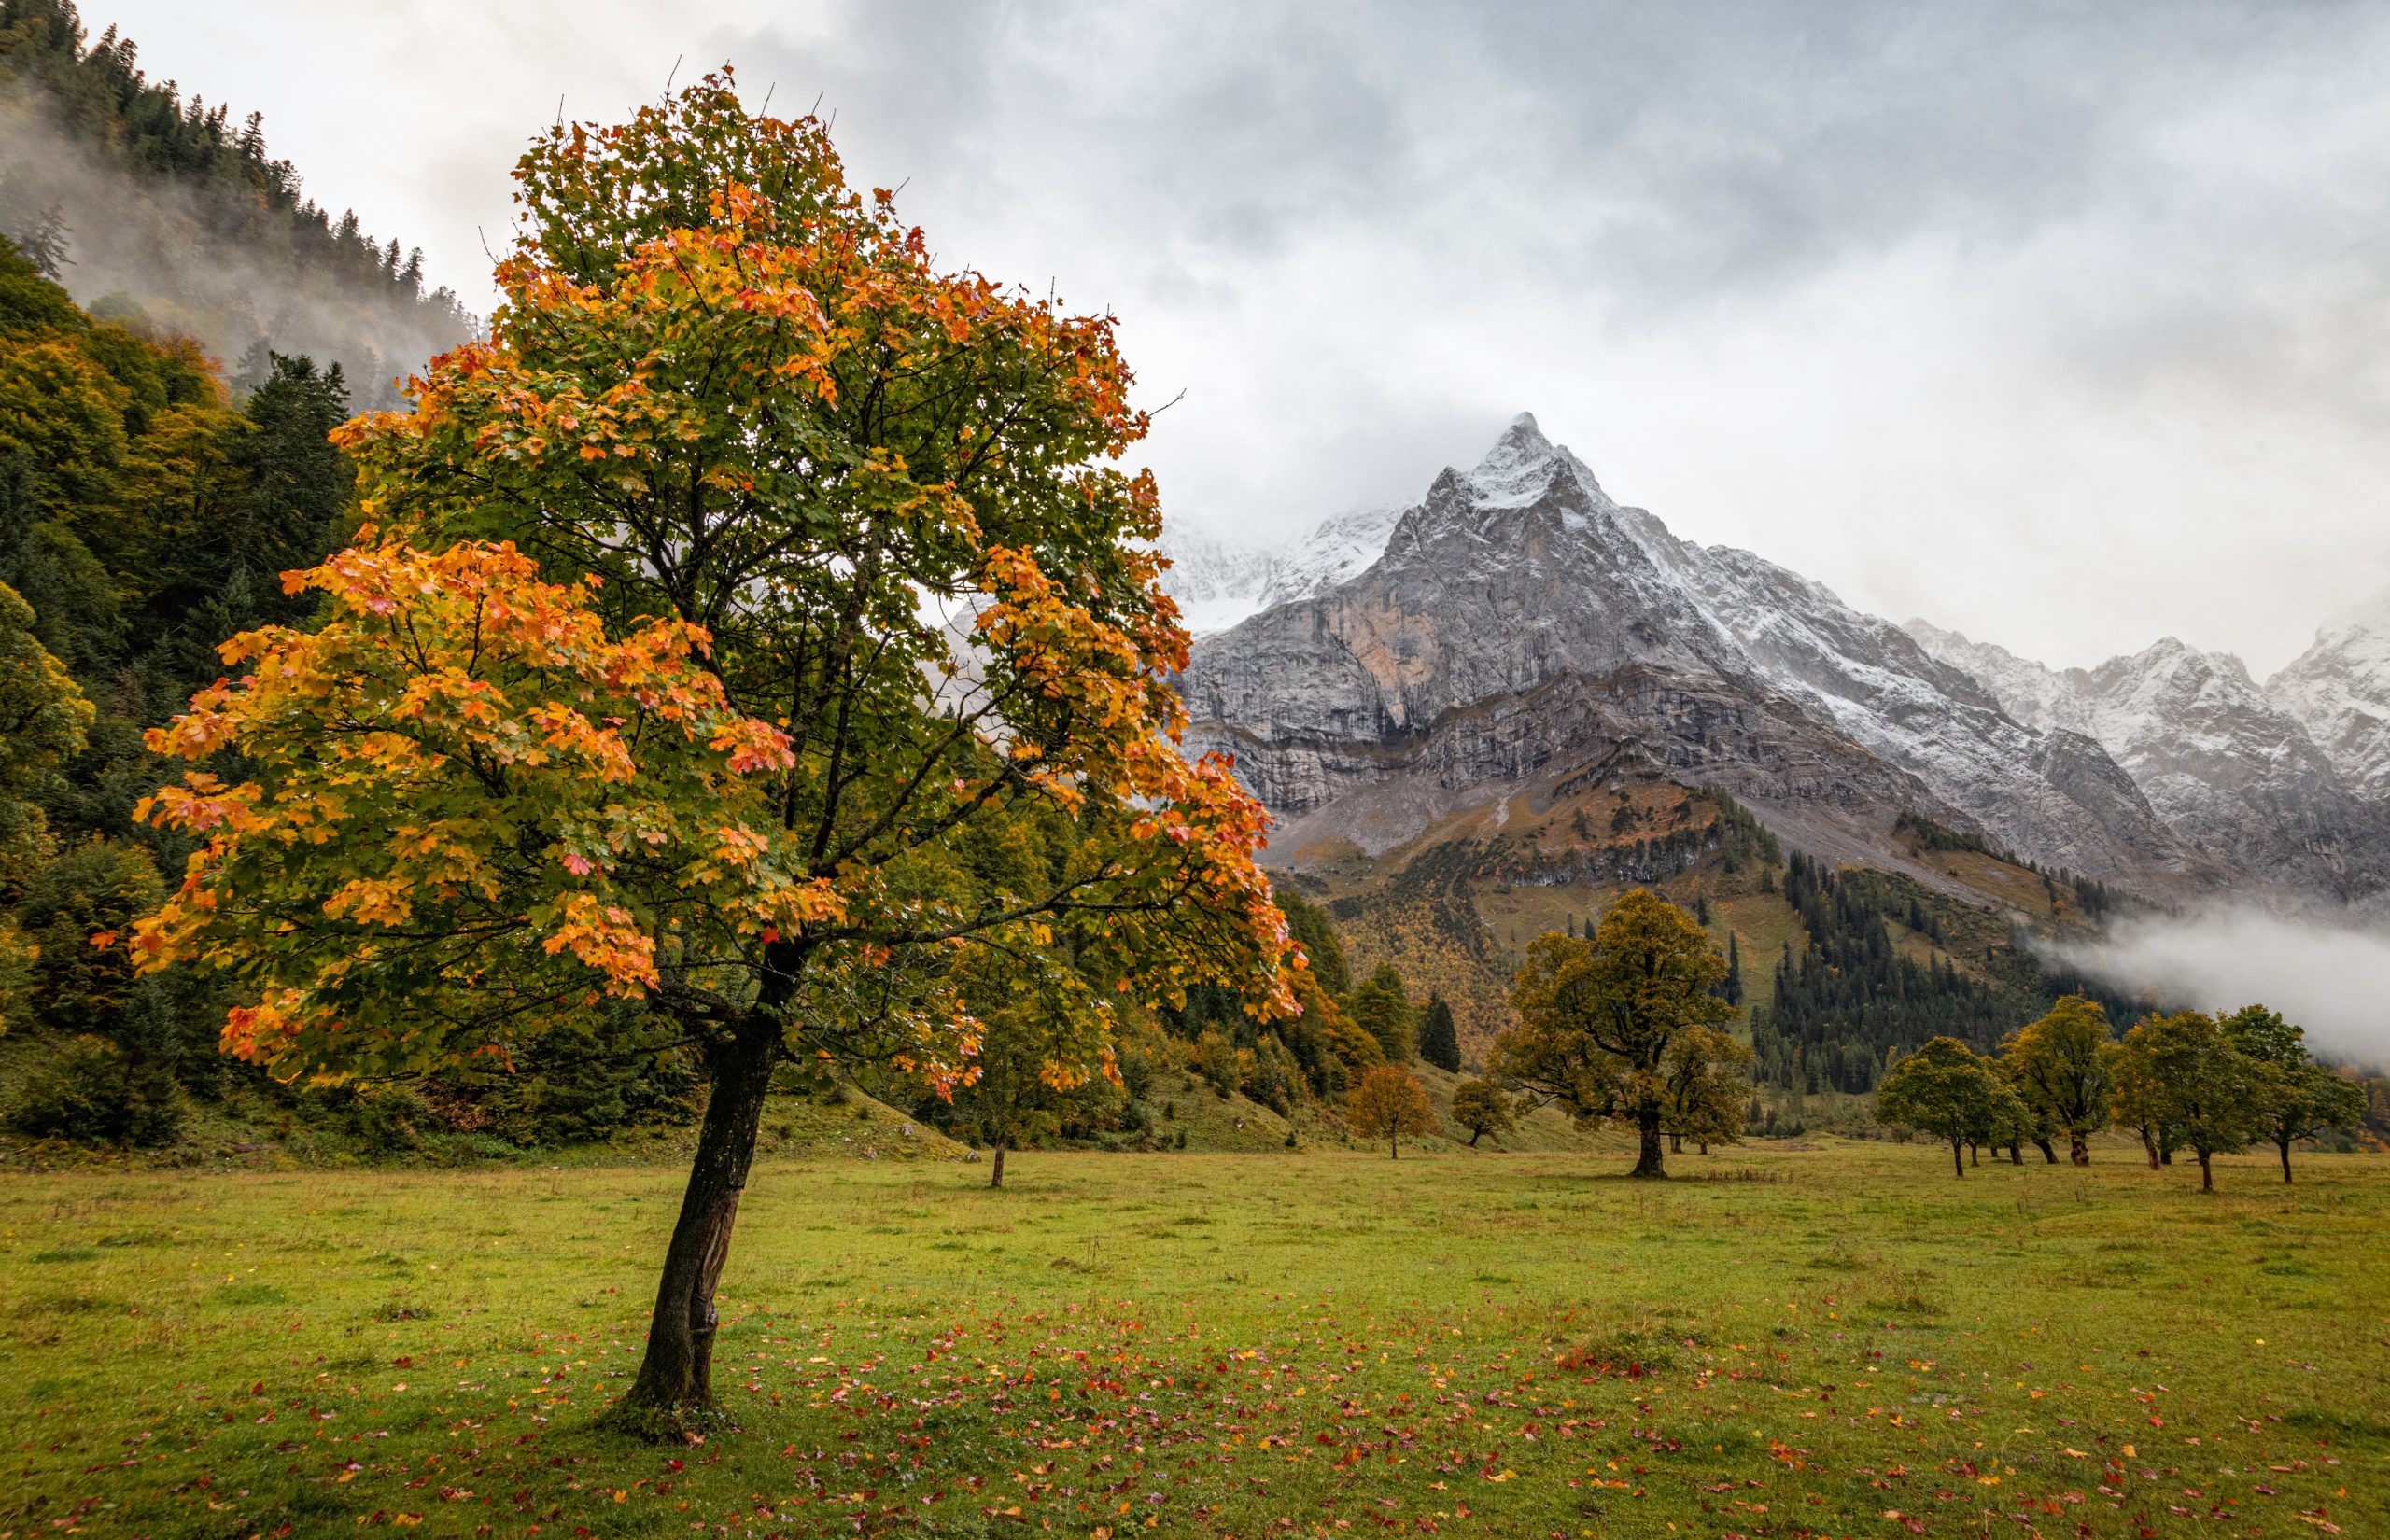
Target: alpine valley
{"points": [[1482, 716]]}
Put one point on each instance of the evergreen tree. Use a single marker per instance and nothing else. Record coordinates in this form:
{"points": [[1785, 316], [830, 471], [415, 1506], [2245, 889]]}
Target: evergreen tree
{"points": [[1439, 1042]]}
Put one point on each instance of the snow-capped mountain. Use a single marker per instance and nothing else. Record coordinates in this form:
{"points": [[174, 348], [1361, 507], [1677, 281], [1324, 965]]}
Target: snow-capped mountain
{"points": [[1218, 582], [1520, 620], [2340, 690], [2223, 763]]}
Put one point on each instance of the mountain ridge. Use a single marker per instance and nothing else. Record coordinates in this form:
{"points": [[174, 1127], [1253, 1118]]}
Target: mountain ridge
{"points": [[1518, 616]]}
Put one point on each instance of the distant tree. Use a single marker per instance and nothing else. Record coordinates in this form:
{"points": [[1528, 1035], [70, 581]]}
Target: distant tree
{"points": [[2215, 1098], [1732, 991], [1030, 1065], [1380, 1005], [2137, 1099], [1482, 1108], [1707, 1077], [2057, 1064], [1387, 1104], [1308, 923], [2309, 1099], [43, 721], [1439, 1042], [1599, 1019], [1946, 1090]]}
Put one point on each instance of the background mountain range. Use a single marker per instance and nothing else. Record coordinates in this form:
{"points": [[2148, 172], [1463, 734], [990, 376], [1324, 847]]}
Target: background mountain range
{"points": [[1336, 668], [1527, 674]]}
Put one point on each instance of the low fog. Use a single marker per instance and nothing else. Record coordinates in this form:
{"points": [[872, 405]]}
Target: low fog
{"points": [[2331, 977], [210, 263]]}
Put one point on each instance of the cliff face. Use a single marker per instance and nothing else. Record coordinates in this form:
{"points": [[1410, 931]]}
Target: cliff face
{"points": [[2224, 765], [1519, 620], [2340, 691]]}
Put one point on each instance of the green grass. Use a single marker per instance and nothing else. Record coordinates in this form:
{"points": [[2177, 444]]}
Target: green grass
{"points": [[1777, 1343]]}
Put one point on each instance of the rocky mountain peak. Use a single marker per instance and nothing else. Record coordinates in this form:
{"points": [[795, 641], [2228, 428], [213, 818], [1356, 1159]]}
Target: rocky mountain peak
{"points": [[2340, 690], [1520, 621]]}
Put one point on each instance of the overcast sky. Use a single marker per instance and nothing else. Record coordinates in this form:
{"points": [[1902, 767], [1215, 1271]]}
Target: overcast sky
{"points": [[2064, 325]]}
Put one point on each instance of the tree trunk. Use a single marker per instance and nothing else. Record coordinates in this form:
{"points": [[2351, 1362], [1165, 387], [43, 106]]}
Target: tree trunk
{"points": [[2165, 1154], [2283, 1145], [1647, 1159], [1702, 1145], [2207, 1177], [1975, 1155], [2049, 1156], [996, 1176], [1676, 1142], [1958, 1162], [2149, 1142], [1474, 1135], [2015, 1155], [1394, 1144], [2078, 1149], [676, 1375]]}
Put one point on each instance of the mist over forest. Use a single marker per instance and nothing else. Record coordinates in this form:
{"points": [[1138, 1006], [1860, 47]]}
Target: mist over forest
{"points": [[161, 209]]}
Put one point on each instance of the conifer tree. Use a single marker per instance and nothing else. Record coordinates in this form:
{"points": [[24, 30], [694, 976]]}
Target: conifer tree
{"points": [[1438, 1041]]}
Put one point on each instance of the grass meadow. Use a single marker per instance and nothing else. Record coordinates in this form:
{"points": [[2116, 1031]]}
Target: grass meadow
{"points": [[1833, 1340]]}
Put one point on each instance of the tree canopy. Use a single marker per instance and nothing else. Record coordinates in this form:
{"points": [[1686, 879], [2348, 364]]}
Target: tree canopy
{"points": [[776, 582], [1945, 1090], [2057, 1064], [1387, 1103], [1600, 1019]]}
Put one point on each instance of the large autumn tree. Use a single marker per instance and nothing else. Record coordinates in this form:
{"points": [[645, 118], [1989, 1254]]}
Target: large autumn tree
{"points": [[839, 582], [1607, 1023]]}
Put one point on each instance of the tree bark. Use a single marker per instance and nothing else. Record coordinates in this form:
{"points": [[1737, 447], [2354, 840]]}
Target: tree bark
{"points": [[1394, 1144], [676, 1375], [2049, 1155], [996, 1176], [2283, 1145], [1474, 1135], [1958, 1162], [2015, 1155], [1975, 1155], [1676, 1144], [2078, 1149], [2207, 1176], [1647, 1159], [2149, 1142]]}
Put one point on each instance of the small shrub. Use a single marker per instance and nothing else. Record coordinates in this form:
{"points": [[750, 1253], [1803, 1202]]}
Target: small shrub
{"points": [[91, 1092]]}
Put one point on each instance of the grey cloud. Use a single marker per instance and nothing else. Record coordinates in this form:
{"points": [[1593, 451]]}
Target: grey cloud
{"points": [[2058, 322]]}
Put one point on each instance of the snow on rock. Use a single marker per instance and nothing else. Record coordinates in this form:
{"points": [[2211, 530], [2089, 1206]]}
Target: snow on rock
{"points": [[1520, 616], [1219, 582], [2340, 689], [2221, 762]]}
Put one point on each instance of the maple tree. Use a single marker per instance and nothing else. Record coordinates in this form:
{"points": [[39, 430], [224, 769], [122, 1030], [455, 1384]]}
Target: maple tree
{"points": [[726, 617], [2058, 1065], [1707, 1074], [2308, 1098], [1604, 1021], [1946, 1089], [1482, 1108], [1387, 1103], [2183, 1074]]}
